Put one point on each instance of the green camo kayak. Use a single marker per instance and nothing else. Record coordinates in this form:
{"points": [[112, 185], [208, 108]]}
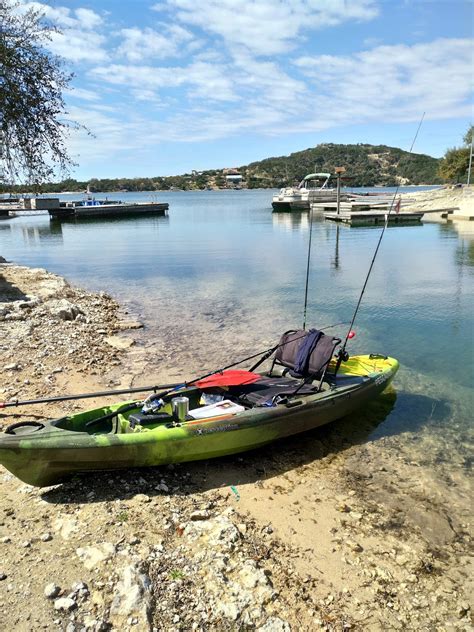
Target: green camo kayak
{"points": [[47, 453]]}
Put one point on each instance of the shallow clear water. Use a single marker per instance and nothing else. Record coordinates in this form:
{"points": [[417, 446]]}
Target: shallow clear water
{"points": [[223, 276]]}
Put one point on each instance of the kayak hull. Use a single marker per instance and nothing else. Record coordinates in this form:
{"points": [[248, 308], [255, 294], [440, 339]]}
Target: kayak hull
{"points": [[59, 450]]}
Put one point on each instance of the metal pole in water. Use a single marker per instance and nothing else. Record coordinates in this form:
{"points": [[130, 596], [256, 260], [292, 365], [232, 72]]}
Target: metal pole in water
{"points": [[470, 161], [339, 171]]}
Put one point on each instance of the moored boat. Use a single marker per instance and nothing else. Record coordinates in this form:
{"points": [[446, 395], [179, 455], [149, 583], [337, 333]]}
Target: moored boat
{"points": [[259, 409], [314, 187]]}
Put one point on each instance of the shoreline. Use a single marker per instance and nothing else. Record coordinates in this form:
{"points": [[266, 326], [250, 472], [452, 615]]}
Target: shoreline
{"points": [[460, 197], [432, 187], [329, 531]]}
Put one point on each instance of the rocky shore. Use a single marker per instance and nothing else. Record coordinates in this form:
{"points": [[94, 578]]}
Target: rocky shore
{"points": [[327, 532], [459, 198]]}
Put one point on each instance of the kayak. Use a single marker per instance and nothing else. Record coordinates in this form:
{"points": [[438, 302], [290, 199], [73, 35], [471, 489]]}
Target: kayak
{"points": [[121, 436]]}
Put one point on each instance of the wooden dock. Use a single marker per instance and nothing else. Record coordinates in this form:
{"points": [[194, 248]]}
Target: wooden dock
{"points": [[376, 216], [373, 217], [106, 209], [362, 204]]}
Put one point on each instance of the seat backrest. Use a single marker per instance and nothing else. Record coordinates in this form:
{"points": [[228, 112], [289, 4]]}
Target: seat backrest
{"points": [[290, 344]]}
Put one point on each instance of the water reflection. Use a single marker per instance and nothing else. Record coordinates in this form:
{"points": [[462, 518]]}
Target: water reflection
{"points": [[34, 234], [149, 219], [335, 261], [291, 221]]}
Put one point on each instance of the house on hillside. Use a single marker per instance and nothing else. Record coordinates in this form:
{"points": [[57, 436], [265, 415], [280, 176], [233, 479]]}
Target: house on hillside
{"points": [[233, 179]]}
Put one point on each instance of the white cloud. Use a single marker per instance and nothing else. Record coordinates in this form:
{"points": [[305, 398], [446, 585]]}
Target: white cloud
{"points": [[88, 19], [233, 74], [139, 44], [66, 18], [267, 27], [202, 79], [82, 94], [247, 95], [77, 45], [394, 83], [78, 39]]}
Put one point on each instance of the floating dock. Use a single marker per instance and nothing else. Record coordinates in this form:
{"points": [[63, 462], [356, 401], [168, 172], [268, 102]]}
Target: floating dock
{"points": [[112, 209], [381, 203], [373, 217], [360, 217]]}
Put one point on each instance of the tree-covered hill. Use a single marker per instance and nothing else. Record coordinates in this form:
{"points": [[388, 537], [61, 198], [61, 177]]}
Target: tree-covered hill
{"points": [[367, 165]]}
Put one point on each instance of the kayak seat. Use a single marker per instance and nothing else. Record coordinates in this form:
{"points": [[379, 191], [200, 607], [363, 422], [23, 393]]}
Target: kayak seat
{"points": [[267, 390], [302, 354], [306, 354]]}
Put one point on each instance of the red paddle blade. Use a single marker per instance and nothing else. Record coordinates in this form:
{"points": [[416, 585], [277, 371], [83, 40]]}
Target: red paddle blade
{"points": [[236, 377]]}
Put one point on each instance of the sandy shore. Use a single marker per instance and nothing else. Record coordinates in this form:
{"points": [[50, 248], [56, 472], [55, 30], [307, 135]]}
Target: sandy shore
{"points": [[460, 198], [329, 531]]}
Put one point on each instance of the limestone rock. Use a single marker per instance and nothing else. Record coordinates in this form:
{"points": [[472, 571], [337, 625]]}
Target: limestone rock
{"points": [[119, 343], [92, 556], [275, 624], [51, 591], [64, 309], [132, 599], [65, 603], [220, 531]]}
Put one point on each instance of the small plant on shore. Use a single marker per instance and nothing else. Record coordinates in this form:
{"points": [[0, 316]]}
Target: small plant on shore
{"points": [[122, 516], [175, 573]]}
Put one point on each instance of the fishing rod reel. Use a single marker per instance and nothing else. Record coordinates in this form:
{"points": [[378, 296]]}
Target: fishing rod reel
{"points": [[342, 356]]}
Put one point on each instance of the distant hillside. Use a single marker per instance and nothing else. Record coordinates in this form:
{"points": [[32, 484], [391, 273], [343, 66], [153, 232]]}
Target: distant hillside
{"points": [[368, 165]]}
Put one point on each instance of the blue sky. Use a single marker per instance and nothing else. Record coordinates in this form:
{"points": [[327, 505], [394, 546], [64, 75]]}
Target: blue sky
{"points": [[175, 85]]}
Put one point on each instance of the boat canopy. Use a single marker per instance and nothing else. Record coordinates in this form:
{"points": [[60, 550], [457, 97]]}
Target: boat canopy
{"points": [[313, 176]]}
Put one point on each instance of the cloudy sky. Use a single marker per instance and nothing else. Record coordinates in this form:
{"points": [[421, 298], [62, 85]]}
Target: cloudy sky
{"points": [[176, 85]]}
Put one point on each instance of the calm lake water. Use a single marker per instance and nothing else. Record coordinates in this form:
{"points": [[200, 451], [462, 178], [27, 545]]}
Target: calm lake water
{"points": [[223, 276]]}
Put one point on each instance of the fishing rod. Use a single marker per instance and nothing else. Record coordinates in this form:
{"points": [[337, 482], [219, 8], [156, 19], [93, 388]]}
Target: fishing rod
{"points": [[266, 354], [307, 265], [168, 388], [64, 398], [342, 354]]}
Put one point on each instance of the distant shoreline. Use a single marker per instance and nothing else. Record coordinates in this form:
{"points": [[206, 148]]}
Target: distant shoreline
{"points": [[166, 191]]}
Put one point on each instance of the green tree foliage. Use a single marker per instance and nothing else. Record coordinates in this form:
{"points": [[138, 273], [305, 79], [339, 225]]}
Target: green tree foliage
{"points": [[455, 163], [468, 136], [31, 104], [367, 165]]}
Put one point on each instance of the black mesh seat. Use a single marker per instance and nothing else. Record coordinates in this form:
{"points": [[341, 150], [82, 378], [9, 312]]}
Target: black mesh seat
{"points": [[265, 391]]}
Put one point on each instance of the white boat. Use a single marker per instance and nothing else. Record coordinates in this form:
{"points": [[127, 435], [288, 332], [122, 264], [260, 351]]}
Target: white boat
{"points": [[313, 188]]}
